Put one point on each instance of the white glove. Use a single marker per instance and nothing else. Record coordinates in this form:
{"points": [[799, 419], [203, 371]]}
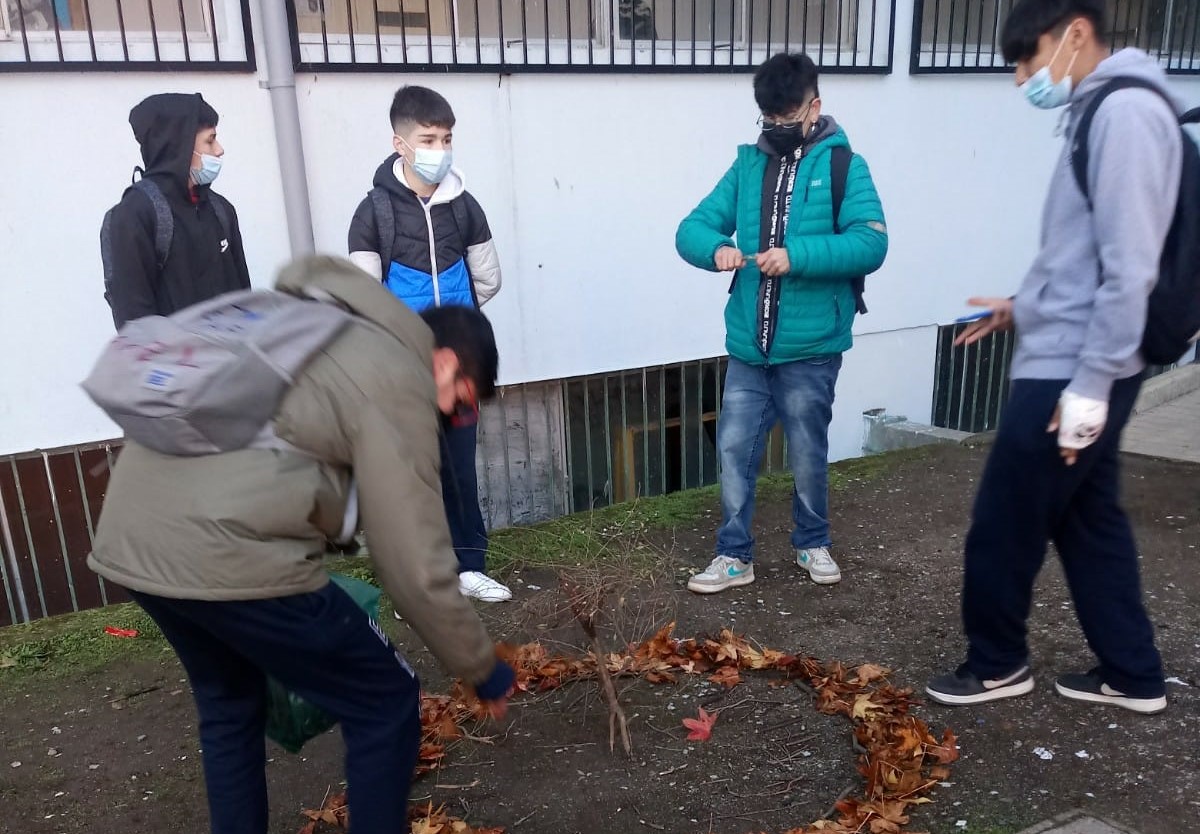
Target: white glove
{"points": [[1080, 421]]}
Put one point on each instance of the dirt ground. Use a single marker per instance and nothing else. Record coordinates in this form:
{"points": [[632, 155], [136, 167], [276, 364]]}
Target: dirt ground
{"points": [[115, 750]]}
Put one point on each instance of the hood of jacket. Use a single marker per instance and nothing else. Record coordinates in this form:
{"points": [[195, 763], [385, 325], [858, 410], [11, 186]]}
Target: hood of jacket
{"points": [[390, 176], [1127, 63], [165, 126], [349, 286]]}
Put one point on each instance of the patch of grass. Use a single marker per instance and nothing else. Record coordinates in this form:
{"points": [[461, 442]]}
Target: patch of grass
{"points": [[76, 643]]}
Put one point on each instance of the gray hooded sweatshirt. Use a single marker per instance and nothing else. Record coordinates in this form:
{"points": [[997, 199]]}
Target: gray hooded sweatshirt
{"points": [[1081, 309]]}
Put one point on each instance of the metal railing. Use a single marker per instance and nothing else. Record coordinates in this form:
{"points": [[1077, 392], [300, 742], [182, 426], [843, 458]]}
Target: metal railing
{"points": [[648, 431], [970, 384], [963, 36], [589, 35], [162, 35]]}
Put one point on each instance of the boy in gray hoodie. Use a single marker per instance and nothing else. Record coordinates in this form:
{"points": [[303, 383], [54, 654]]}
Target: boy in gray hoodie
{"points": [[1053, 473]]}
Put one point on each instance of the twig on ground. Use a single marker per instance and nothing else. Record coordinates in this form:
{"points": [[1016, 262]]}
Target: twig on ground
{"points": [[849, 789], [527, 816]]}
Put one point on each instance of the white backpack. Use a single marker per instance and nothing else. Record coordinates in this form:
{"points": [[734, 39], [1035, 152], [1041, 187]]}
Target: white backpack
{"points": [[210, 377]]}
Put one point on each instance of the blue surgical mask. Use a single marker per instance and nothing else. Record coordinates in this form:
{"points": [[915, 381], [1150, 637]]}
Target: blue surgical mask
{"points": [[430, 165], [1042, 91], [210, 166]]}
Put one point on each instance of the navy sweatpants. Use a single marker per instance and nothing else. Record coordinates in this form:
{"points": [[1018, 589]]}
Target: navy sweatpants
{"points": [[1028, 497], [460, 493], [322, 647]]}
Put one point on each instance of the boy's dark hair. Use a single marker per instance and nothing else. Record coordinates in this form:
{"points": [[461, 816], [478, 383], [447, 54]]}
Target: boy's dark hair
{"points": [[468, 333], [413, 105], [1030, 19], [784, 82]]}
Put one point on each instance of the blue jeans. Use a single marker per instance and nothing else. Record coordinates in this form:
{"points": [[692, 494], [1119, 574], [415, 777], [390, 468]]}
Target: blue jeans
{"points": [[800, 395], [321, 646]]}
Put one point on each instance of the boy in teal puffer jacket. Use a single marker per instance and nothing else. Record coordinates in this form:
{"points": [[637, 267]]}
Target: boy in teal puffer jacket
{"points": [[790, 307]]}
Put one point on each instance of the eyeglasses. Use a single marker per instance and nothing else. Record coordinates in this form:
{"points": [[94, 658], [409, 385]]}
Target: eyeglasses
{"points": [[797, 120]]}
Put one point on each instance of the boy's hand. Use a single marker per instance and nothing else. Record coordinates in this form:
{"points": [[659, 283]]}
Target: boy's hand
{"points": [[1079, 422], [498, 708], [774, 262], [728, 259], [1001, 319]]}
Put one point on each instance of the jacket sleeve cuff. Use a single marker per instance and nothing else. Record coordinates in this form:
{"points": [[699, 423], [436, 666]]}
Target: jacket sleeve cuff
{"points": [[1091, 383], [498, 682]]}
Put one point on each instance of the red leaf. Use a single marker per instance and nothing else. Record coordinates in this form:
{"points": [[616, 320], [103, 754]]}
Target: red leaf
{"points": [[701, 728]]}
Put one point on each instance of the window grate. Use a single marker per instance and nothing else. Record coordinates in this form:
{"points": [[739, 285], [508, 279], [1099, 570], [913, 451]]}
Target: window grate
{"points": [[589, 35], [963, 36], [132, 35]]}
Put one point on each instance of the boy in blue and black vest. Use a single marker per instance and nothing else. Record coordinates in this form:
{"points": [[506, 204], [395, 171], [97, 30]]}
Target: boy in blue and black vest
{"points": [[428, 241]]}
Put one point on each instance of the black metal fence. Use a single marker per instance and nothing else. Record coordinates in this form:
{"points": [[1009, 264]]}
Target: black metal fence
{"points": [[164, 35], [963, 36], [970, 384], [589, 35], [648, 431]]}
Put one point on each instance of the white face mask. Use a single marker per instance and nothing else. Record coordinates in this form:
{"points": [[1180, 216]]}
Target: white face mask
{"points": [[1041, 90], [430, 165]]}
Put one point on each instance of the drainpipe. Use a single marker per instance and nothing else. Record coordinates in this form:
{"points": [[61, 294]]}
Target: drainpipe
{"points": [[281, 85]]}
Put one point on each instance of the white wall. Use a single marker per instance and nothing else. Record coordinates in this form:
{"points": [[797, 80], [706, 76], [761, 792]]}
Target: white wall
{"points": [[584, 178]]}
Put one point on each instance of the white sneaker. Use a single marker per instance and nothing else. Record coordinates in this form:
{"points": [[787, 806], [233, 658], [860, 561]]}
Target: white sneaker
{"points": [[819, 564], [724, 572], [475, 585]]}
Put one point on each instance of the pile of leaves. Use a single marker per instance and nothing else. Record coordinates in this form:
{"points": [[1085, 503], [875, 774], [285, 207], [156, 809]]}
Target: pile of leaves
{"points": [[899, 758]]}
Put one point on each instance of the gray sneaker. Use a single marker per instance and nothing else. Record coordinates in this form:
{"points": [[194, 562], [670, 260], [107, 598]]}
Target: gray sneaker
{"points": [[819, 564], [724, 572]]}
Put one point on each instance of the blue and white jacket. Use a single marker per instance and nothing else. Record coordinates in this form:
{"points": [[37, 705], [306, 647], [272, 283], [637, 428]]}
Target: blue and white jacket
{"points": [[441, 253]]}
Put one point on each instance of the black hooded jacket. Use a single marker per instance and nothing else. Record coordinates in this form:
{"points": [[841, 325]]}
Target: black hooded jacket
{"points": [[202, 262]]}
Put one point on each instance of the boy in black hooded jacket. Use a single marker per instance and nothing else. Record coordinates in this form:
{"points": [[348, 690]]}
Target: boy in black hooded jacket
{"points": [[178, 136]]}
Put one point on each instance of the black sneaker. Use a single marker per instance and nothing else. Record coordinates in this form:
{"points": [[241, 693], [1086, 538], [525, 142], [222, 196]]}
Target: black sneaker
{"points": [[1092, 688], [962, 688]]}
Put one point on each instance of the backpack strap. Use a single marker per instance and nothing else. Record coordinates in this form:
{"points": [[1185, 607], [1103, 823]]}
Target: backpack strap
{"points": [[385, 226], [1079, 142], [461, 219], [839, 171], [224, 214], [164, 220]]}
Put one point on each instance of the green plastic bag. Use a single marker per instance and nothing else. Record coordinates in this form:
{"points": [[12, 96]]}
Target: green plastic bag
{"points": [[291, 721]]}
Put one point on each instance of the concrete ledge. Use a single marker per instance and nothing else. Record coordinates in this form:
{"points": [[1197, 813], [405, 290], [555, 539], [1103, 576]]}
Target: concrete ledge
{"points": [[1077, 822], [1169, 386], [886, 433]]}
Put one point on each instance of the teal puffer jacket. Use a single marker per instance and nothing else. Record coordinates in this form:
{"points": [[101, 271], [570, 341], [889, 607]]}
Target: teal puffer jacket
{"points": [[816, 308]]}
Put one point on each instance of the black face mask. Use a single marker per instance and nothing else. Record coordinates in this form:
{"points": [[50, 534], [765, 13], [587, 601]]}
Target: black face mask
{"points": [[785, 140]]}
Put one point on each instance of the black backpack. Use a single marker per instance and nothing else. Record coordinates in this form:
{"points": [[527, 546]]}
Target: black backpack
{"points": [[1173, 312], [164, 227]]}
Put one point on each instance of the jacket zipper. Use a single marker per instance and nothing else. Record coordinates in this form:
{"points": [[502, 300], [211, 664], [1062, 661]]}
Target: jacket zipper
{"points": [[433, 270]]}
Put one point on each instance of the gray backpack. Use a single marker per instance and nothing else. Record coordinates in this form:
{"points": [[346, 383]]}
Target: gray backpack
{"points": [[210, 377]]}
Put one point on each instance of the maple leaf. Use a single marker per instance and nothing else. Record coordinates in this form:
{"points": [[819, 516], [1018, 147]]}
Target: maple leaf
{"points": [[864, 707], [870, 672], [701, 727], [726, 676], [946, 752], [941, 773]]}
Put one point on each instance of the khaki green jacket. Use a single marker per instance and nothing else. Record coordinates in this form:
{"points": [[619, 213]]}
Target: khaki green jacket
{"points": [[252, 524]]}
